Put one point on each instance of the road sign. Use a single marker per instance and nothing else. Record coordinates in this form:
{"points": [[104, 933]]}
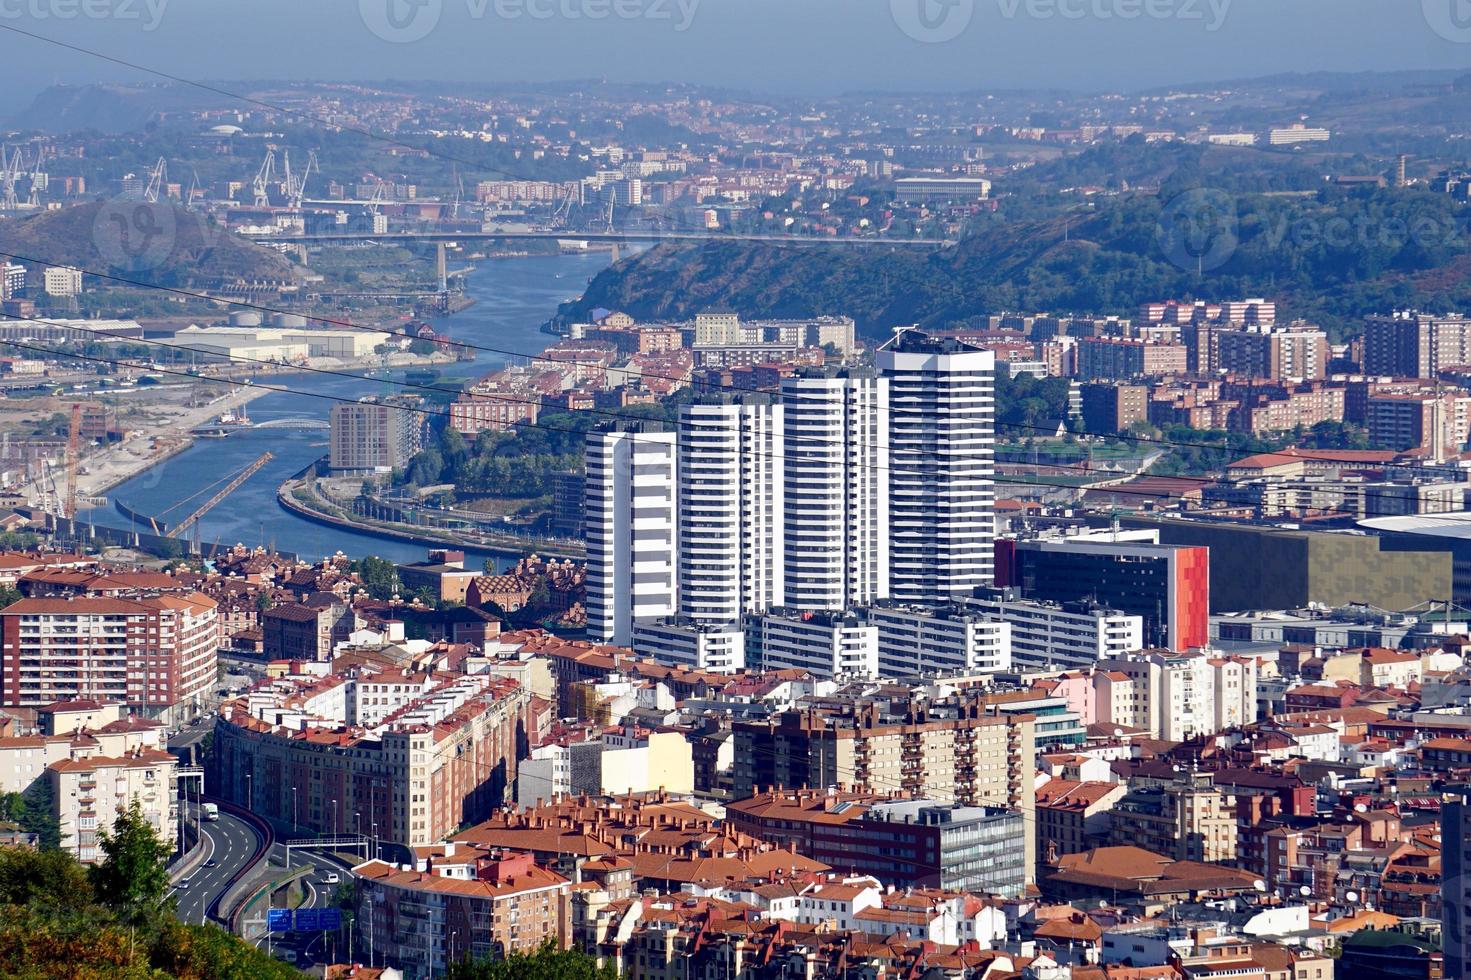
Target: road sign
{"points": [[278, 920], [308, 920], [330, 919]]}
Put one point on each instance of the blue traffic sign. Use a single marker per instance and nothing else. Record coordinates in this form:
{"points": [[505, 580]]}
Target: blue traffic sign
{"points": [[308, 920], [278, 920], [330, 919]]}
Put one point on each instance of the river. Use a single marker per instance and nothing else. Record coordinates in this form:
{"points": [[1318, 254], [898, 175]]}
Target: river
{"points": [[513, 298]]}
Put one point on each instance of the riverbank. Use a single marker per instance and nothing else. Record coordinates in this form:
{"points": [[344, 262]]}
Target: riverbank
{"points": [[293, 495], [165, 437]]}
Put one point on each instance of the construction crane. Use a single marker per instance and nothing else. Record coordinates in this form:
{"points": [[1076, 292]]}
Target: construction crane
{"points": [[157, 179], [40, 180], [73, 459], [224, 492], [296, 186], [8, 176], [454, 208], [261, 185], [380, 194], [193, 189]]}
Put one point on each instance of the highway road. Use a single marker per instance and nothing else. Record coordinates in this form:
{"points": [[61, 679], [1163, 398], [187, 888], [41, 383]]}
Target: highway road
{"points": [[230, 844], [310, 948]]}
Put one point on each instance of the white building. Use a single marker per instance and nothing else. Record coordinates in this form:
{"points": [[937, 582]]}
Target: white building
{"points": [[1045, 635], [61, 280], [1174, 696], [12, 280], [630, 529], [730, 509], [89, 792], [945, 639], [941, 468], [683, 643], [835, 489], [824, 644]]}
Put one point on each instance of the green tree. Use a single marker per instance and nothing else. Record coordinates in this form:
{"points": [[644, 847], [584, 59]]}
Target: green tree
{"points": [[50, 880], [133, 878], [378, 575], [547, 963], [263, 600]]}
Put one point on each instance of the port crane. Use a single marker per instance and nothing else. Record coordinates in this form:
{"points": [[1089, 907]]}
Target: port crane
{"points": [[235, 483], [261, 185], [157, 181], [296, 185], [10, 168], [73, 459]]}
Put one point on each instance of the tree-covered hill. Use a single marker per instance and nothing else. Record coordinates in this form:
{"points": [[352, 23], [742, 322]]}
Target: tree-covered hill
{"points": [[1330, 255]]}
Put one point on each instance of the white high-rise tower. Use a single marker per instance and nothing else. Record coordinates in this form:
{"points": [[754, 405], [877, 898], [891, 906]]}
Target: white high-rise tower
{"points": [[631, 537], [942, 524], [835, 489], [730, 508]]}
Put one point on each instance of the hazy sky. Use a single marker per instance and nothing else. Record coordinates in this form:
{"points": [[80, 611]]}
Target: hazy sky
{"points": [[816, 46]]}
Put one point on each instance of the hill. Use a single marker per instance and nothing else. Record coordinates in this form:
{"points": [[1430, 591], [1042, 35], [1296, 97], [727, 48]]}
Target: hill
{"points": [[157, 243], [1331, 256]]}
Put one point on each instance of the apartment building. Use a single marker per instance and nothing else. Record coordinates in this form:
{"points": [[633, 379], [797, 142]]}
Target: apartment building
{"points": [[375, 435], [731, 509], [148, 651], [907, 843], [1410, 344], [914, 640], [487, 906], [1187, 819], [941, 467], [89, 791], [1051, 635], [631, 528], [958, 748], [1437, 424], [827, 644], [60, 280], [682, 642], [1276, 353], [438, 753], [1073, 815], [836, 519], [1176, 696], [1121, 359], [1110, 408]]}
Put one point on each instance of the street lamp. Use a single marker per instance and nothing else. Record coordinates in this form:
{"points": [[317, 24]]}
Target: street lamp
{"points": [[376, 853], [334, 827], [293, 811], [249, 792]]}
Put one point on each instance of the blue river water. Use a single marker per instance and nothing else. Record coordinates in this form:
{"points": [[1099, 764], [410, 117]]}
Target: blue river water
{"points": [[513, 298]]}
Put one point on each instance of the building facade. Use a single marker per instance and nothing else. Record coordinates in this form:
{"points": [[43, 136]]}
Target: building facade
{"points": [[631, 529], [942, 521]]}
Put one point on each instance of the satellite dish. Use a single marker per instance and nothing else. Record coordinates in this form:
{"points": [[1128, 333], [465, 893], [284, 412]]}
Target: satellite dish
{"points": [[1360, 808], [1351, 896], [1304, 891], [1259, 885]]}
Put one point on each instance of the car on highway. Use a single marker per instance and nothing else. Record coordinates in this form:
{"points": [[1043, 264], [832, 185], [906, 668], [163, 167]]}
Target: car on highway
{"points": [[182, 886], [332, 878], [211, 863]]}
